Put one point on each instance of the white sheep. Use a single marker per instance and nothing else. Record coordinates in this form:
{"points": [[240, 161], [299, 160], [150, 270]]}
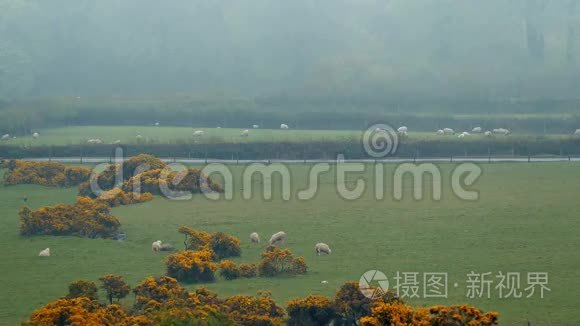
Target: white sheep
{"points": [[577, 132], [139, 137], [44, 253], [278, 238], [95, 141], [440, 132], [403, 130], [284, 126], [157, 124], [488, 133], [256, 126], [448, 131], [198, 133], [476, 130], [461, 135], [245, 133], [5, 137], [501, 131], [322, 249], [255, 237], [35, 135], [156, 246]]}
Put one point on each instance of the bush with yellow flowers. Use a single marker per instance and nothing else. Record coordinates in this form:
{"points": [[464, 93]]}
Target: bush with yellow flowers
{"points": [[117, 197], [229, 270], [164, 182], [86, 218], [223, 245], [248, 270], [352, 305], [49, 174], [312, 310], [396, 313], [192, 266], [250, 311], [276, 261]]}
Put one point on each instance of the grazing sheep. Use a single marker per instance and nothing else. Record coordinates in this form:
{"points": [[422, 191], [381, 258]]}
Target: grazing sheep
{"points": [[284, 126], [139, 137], [488, 133], [324, 282], [322, 249], [501, 131], [278, 238], [5, 137], [448, 131], [440, 132], [44, 253], [157, 124], [35, 135], [476, 130], [254, 237], [156, 246], [256, 126], [198, 133], [577, 132], [166, 247], [403, 130], [461, 135], [95, 141], [245, 133]]}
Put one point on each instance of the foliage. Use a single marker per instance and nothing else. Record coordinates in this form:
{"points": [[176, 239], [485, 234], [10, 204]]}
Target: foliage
{"points": [[79, 311], [86, 218], [229, 270], [192, 266], [312, 310], [351, 304], [139, 164], [115, 287], [161, 182], [48, 174], [248, 270], [396, 313], [117, 197], [276, 261], [82, 288], [223, 245], [248, 310]]}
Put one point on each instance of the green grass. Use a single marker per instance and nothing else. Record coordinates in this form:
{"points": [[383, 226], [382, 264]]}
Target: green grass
{"points": [[166, 135], [526, 220]]}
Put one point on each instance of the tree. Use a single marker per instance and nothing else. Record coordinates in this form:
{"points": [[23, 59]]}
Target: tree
{"points": [[115, 287], [82, 288]]}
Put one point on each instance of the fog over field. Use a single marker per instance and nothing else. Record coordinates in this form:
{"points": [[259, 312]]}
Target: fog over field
{"points": [[379, 49]]}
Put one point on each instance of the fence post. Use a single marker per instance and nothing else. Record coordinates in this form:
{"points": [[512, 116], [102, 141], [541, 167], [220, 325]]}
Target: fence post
{"points": [[451, 159]]}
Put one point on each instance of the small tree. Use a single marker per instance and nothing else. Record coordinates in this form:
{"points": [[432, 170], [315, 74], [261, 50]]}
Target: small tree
{"points": [[115, 287], [82, 288]]}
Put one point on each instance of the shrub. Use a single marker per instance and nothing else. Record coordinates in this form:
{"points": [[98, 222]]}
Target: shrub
{"points": [[117, 197], [229, 270], [248, 310], [48, 174], [159, 181], [276, 261], [86, 218], [312, 310], [351, 304], [192, 266], [225, 246], [75, 311], [82, 288], [248, 270]]}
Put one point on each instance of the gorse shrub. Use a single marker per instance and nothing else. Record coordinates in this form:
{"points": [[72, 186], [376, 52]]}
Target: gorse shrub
{"points": [[47, 174], [192, 266], [222, 245], [276, 261], [86, 218]]}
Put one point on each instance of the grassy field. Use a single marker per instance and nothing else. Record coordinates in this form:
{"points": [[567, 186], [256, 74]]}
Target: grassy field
{"points": [[165, 135], [525, 221]]}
